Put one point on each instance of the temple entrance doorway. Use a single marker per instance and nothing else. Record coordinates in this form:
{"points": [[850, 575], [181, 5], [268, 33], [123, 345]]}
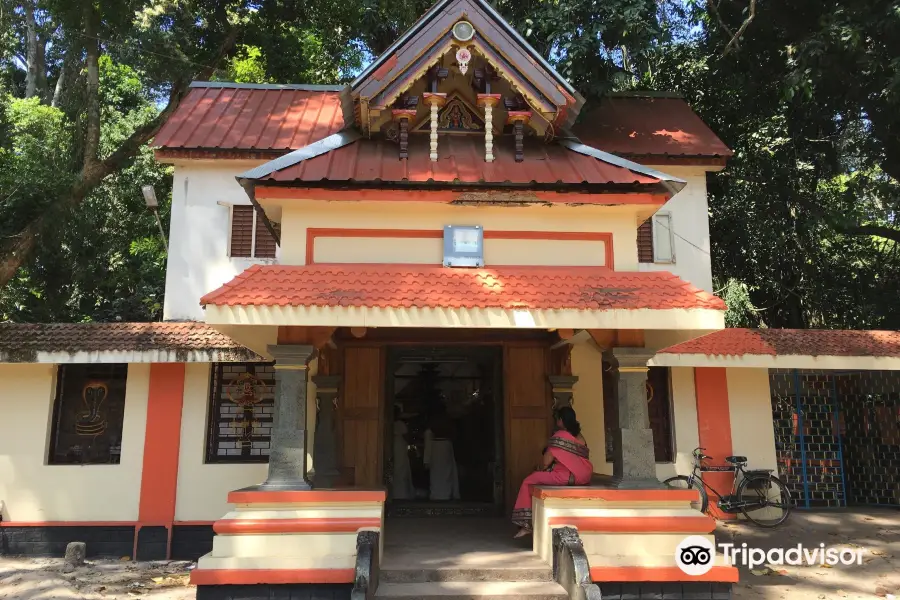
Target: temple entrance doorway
{"points": [[443, 449]]}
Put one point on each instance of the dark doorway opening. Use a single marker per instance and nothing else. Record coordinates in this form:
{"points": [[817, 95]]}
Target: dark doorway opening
{"points": [[444, 430]]}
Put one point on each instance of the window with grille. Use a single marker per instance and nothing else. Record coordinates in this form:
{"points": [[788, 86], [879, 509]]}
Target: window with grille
{"points": [[249, 236], [659, 408], [87, 415], [241, 406]]}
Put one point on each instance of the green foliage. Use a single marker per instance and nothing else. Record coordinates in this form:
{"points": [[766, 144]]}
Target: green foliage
{"points": [[248, 65]]}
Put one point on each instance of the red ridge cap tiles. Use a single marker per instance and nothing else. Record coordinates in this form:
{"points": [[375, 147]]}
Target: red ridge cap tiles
{"points": [[803, 342], [428, 286]]}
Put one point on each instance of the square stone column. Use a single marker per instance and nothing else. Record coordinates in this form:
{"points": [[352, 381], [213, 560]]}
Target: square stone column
{"points": [[325, 463], [634, 463], [287, 457]]}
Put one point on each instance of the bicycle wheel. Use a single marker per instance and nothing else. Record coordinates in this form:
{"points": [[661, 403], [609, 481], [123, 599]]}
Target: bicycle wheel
{"points": [[770, 500], [682, 482]]}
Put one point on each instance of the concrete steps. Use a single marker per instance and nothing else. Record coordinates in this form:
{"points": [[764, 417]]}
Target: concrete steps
{"points": [[473, 590], [532, 574]]}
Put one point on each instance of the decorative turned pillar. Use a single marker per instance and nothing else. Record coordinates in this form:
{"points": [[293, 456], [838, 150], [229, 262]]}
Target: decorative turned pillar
{"points": [[287, 457], [561, 388], [488, 102], [402, 116], [435, 100], [325, 446], [634, 463], [518, 119]]}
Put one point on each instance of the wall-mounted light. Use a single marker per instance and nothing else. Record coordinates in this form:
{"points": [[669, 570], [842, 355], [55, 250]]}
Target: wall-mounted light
{"points": [[153, 206]]}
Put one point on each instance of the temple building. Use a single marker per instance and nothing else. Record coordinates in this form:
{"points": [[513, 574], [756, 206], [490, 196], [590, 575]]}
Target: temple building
{"points": [[378, 295]]}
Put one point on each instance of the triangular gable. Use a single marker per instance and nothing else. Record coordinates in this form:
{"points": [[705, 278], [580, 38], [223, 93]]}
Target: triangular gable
{"points": [[430, 37], [457, 116]]}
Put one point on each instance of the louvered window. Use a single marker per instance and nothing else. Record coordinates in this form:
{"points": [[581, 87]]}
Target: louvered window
{"points": [[645, 242], [249, 236]]}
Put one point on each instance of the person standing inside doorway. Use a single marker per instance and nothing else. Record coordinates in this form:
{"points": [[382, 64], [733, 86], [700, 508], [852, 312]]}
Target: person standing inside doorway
{"points": [[440, 459]]}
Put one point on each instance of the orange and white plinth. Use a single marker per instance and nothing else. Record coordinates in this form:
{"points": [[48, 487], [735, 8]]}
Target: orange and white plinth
{"points": [[288, 538], [628, 535]]}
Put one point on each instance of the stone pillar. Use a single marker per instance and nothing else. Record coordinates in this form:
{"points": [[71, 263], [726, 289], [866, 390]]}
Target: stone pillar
{"points": [[634, 464], [287, 458], [561, 388], [325, 459]]}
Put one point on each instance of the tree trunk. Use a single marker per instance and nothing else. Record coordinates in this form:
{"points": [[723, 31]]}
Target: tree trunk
{"points": [[36, 69], [92, 62], [61, 81]]}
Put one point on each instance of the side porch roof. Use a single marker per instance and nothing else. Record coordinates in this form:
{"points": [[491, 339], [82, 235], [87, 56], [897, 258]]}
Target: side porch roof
{"points": [[787, 349]]}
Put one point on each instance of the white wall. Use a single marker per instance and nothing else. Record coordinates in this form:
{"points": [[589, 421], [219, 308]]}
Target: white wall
{"points": [[690, 225], [33, 491], [199, 234]]}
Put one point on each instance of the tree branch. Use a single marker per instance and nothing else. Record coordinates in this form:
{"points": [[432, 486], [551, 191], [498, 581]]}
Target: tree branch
{"points": [[735, 39], [874, 230], [92, 62]]}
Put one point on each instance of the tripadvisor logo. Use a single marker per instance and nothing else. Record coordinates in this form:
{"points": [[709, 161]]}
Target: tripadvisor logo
{"points": [[696, 555]]}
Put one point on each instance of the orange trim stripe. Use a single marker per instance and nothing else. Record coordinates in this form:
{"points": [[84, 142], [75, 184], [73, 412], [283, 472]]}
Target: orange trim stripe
{"points": [[301, 497], [266, 526], [700, 524], [270, 192], [582, 236], [272, 576], [614, 495], [714, 428], [661, 574]]}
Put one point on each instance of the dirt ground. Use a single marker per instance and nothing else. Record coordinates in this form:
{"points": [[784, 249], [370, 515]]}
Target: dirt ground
{"points": [[876, 531]]}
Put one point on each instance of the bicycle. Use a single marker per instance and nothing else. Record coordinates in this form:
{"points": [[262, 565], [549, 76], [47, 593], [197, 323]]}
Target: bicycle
{"points": [[758, 494]]}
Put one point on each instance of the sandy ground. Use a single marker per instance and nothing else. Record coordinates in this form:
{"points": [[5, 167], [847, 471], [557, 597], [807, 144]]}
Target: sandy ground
{"points": [[876, 531], [52, 579]]}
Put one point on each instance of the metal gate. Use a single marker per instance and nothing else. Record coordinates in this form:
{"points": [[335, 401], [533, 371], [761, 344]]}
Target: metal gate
{"points": [[837, 436]]}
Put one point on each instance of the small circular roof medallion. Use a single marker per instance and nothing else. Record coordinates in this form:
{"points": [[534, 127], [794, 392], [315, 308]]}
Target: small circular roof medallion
{"points": [[463, 31]]}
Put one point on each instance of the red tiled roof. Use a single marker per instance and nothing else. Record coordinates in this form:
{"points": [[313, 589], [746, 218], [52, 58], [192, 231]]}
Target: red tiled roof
{"points": [[427, 286], [246, 118], [640, 126], [804, 342], [20, 342], [461, 160]]}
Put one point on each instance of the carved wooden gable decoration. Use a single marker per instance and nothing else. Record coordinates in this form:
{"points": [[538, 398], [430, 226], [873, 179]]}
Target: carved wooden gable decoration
{"points": [[454, 33], [457, 116]]}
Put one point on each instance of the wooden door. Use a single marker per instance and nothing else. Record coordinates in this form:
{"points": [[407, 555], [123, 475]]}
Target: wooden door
{"points": [[528, 408], [360, 415]]}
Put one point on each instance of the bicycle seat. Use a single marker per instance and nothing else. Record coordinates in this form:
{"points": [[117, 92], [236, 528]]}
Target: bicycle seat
{"points": [[736, 459]]}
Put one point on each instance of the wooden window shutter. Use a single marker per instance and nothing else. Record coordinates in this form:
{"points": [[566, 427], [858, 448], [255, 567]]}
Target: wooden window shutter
{"points": [[242, 231], [265, 243], [645, 241]]}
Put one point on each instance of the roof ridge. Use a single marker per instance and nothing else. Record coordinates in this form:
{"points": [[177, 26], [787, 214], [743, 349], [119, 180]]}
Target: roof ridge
{"points": [[268, 86]]}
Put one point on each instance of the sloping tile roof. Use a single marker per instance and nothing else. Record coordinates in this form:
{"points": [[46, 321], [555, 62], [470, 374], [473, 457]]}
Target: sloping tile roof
{"points": [[427, 286], [802, 342], [20, 342], [639, 126], [461, 160], [246, 117]]}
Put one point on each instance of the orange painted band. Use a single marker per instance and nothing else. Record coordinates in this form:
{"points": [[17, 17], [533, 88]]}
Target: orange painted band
{"points": [[271, 192], [299, 497], [699, 524], [614, 495], [266, 526], [582, 236], [67, 523], [662, 574], [273, 576]]}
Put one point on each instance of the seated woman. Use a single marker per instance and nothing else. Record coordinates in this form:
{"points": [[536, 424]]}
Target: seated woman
{"points": [[566, 462]]}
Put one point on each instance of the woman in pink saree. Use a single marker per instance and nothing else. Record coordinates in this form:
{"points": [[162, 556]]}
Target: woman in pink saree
{"points": [[566, 462]]}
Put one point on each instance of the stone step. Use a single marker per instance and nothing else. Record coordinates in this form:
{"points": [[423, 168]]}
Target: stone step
{"points": [[470, 574], [473, 590]]}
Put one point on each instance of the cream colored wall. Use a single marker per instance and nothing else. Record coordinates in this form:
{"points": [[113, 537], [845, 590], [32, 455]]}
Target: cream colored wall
{"points": [[33, 491], [750, 406], [203, 488], [298, 216], [684, 422], [431, 251]]}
